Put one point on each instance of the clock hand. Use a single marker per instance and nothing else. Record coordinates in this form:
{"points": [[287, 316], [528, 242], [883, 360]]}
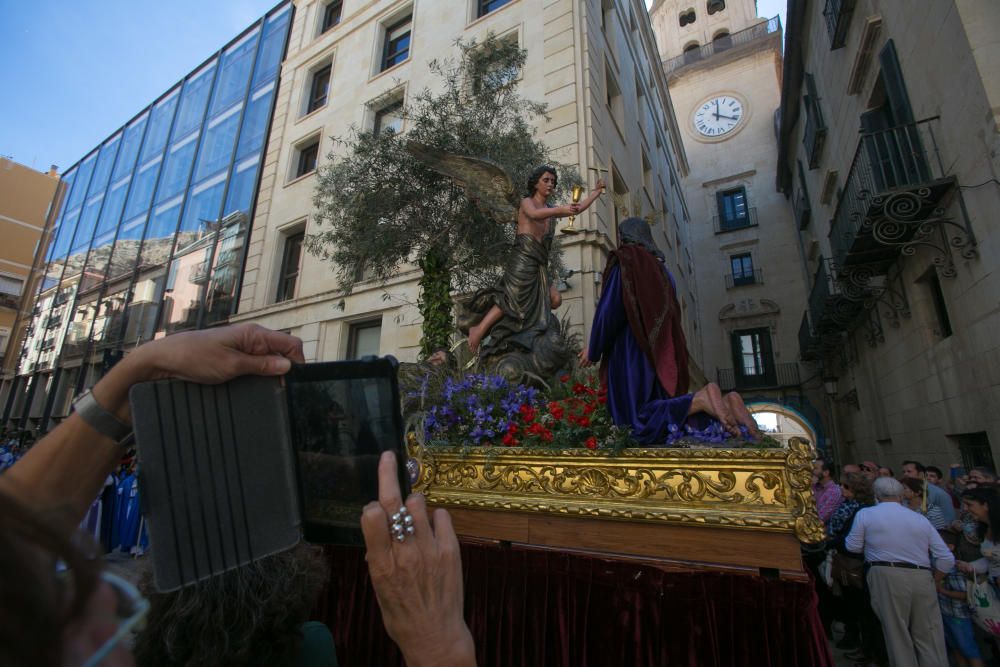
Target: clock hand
{"points": [[718, 116]]}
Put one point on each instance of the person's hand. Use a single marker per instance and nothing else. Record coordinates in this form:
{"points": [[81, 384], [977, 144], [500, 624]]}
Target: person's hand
{"points": [[964, 567], [213, 356], [573, 209], [584, 358], [418, 582], [601, 185]]}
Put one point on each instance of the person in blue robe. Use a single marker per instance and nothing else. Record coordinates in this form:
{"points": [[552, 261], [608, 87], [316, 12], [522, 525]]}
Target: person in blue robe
{"points": [[638, 339]]}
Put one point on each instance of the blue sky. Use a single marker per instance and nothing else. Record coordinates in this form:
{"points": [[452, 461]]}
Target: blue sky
{"points": [[74, 72]]}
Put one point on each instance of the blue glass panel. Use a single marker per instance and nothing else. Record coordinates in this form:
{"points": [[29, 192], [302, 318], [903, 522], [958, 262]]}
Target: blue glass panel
{"points": [[255, 121], [193, 101], [97, 261], [241, 187], [221, 290], [203, 205], [160, 233], [114, 201], [87, 225], [105, 161], [82, 182], [159, 127], [130, 148], [237, 63], [272, 46], [63, 237], [217, 144], [142, 188], [177, 168]]}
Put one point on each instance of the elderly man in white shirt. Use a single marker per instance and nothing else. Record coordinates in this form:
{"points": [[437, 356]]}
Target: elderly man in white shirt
{"points": [[900, 548]]}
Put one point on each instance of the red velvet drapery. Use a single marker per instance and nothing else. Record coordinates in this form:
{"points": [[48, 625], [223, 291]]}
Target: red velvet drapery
{"points": [[529, 608]]}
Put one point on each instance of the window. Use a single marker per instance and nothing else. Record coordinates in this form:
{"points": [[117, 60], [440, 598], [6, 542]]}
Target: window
{"points": [[692, 52], [307, 156], [714, 6], [10, 293], [647, 175], [933, 283], [733, 211], [752, 357], [389, 117], [722, 41], [742, 266], [319, 89], [815, 133], [487, 6], [290, 259], [331, 15], [687, 17], [364, 339], [614, 98], [397, 44]]}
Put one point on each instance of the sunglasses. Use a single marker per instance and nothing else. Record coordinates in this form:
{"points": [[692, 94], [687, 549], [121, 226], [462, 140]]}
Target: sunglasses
{"points": [[130, 609]]}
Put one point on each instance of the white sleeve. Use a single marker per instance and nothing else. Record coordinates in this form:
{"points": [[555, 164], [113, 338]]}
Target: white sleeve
{"points": [[855, 541]]}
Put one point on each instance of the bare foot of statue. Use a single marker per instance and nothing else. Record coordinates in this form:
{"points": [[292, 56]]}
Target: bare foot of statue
{"points": [[709, 400], [739, 410]]}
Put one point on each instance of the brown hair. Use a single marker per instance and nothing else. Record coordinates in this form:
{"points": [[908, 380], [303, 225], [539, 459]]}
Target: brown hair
{"points": [[36, 604], [914, 485], [861, 487]]}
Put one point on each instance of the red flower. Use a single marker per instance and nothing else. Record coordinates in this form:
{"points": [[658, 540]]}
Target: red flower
{"points": [[589, 408], [556, 410], [536, 429], [547, 435], [527, 413], [602, 399], [512, 429], [509, 440], [579, 389], [583, 421], [564, 378], [590, 443]]}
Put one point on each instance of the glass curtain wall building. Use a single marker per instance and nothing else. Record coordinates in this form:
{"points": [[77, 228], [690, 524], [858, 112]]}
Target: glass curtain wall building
{"points": [[152, 233]]}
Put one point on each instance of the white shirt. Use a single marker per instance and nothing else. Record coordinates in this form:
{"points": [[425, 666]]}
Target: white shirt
{"points": [[891, 532]]}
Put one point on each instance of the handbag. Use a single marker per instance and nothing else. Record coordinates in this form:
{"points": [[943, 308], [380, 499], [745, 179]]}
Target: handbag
{"points": [[848, 571], [982, 597]]}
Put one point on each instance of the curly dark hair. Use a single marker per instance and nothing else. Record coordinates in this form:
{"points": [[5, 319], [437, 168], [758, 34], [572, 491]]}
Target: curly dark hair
{"points": [[861, 487], [986, 496], [248, 616], [536, 175]]}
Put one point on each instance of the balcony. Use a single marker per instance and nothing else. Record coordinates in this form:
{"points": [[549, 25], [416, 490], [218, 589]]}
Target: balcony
{"points": [[728, 43], [729, 224], [755, 277], [814, 137], [809, 343], [892, 191], [838, 21], [831, 309], [779, 376], [199, 273]]}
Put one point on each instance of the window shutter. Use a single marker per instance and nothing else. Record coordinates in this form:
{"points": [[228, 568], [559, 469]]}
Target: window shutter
{"points": [[895, 87]]}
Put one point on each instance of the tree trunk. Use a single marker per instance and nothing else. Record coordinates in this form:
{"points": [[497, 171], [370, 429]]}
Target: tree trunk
{"points": [[435, 303]]}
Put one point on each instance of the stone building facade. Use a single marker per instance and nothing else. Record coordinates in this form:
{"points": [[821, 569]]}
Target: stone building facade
{"points": [[890, 153], [593, 62], [28, 199], [724, 66]]}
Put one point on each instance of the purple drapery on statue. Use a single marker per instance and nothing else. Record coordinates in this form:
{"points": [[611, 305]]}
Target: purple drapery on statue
{"points": [[636, 398]]}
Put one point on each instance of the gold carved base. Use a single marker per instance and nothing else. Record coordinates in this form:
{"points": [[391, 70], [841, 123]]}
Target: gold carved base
{"points": [[753, 489]]}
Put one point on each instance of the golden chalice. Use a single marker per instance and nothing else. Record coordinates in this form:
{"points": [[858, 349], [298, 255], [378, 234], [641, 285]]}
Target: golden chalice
{"points": [[577, 194]]}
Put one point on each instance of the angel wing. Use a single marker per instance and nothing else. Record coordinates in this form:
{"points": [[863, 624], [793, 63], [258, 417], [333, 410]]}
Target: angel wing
{"points": [[484, 181]]}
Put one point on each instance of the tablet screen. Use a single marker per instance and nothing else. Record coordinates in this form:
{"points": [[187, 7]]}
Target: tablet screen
{"points": [[343, 416]]}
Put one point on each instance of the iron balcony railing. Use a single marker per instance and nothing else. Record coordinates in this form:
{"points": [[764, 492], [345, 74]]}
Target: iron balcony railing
{"points": [[775, 377], [723, 44], [838, 20], [755, 277], [885, 162], [725, 223]]}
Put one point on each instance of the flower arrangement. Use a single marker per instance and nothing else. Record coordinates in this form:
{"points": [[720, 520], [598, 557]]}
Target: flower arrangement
{"points": [[488, 410]]}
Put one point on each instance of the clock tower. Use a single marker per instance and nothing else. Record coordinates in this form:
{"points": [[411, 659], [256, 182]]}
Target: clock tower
{"points": [[723, 67]]}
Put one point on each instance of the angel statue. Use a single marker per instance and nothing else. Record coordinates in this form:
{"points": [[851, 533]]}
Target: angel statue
{"points": [[511, 325]]}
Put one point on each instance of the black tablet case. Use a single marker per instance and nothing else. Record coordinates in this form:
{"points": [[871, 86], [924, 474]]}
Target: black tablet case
{"points": [[219, 506]]}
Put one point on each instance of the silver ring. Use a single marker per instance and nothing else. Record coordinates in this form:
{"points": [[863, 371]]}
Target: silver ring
{"points": [[401, 525]]}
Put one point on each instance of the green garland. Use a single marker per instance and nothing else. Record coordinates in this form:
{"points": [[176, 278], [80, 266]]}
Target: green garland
{"points": [[435, 304]]}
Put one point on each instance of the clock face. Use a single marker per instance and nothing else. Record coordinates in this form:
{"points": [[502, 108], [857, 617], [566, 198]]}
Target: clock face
{"points": [[718, 116]]}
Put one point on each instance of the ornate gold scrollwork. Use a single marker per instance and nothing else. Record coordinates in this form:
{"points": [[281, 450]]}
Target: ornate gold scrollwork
{"points": [[767, 489]]}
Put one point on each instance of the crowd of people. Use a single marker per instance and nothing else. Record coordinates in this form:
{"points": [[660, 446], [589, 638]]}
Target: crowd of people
{"points": [[902, 559]]}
